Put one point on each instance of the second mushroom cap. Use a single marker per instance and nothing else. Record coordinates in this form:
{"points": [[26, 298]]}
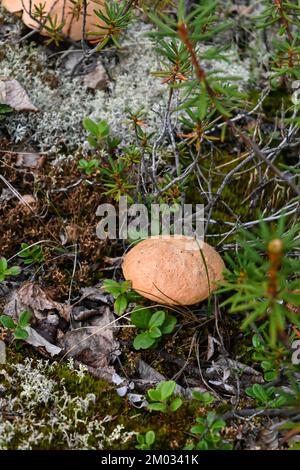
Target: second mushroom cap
{"points": [[60, 11]]}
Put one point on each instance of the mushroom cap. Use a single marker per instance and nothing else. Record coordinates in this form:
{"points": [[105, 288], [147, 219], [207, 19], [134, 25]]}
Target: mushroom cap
{"points": [[12, 5], [172, 271], [63, 10]]}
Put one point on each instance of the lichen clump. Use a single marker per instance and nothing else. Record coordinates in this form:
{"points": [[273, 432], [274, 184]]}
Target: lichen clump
{"points": [[132, 86], [57, 127], [41, 412]]}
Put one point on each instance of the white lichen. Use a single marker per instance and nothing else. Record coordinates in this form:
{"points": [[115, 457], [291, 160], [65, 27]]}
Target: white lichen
{"points": [[58, 124], [133, 85], [64, 102], [36, 410]]}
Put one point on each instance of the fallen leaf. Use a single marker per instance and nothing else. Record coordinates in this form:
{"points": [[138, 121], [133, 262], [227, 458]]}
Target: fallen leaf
{"points": [[32, 297], [30, 160], [48, 327], [13, 94], [95, 346], [70, 233], [95, 294], [269, 436], [152, 377], [103, 374], [97, 79], [211, 341], [82, 314], [39, 342]]}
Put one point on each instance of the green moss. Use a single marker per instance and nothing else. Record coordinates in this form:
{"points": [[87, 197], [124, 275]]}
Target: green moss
{"points": [[67, 408]]}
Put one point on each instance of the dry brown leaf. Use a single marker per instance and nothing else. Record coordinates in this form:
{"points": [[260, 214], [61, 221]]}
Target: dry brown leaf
{"points": [[13, 94], [269, 436], [293, 307], [94, 346], [32, 297], [69, 234], [97, 79], [210, 347], [113, 261], [95, 294], [35, 339], [30, 160]]}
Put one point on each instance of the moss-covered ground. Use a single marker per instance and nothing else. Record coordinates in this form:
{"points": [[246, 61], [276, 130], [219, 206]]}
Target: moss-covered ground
{"points": [[48, 405]]}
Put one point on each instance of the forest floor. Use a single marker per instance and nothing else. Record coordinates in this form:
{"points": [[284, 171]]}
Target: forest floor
{"points": [[75, 381]]}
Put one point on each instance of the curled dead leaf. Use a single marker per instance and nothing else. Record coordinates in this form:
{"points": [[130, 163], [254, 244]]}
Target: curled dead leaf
{"points": [[32, 297], [70, 234], [94, 346], [13, 94], [30, 160], [35, 339]]}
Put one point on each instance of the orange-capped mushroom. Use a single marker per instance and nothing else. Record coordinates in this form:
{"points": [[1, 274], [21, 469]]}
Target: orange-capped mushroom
{"points": [[172, 270], [12, 5], [61, 11]]}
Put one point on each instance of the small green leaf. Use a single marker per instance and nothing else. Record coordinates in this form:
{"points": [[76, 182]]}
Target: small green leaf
{"points": [[92, 141], [103, 129], [198, 429], [7, 322], [168, 325], [270, 375], [157, 318], [189, 447], [258, 392], [143, 341], [24, 318], [203, 445], [150, 438], [120, 304], [110, 283], [204, 397], [154, 394], [3, 265], [90, 126], [20, 333], [256, 341], [115, 288], [154, 332], [175, 404], [218, 425], [166, 389], [140, 317], [267, 365], [157, 407], [279, 402], [14, 271]]}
